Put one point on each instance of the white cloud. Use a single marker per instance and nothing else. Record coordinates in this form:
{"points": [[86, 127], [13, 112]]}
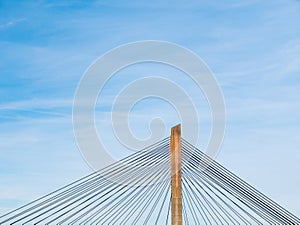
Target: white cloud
{"points": [[12, 23]]}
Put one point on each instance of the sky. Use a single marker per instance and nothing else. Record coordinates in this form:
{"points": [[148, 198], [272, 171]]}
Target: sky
{"points": [[251, 46]]}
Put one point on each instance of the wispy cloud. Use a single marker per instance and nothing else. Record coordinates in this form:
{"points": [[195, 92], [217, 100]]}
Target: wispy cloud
{"points": [[12, 23]]}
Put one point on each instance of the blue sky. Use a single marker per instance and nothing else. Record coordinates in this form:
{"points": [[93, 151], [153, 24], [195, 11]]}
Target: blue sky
{"points": [[252, 47]]}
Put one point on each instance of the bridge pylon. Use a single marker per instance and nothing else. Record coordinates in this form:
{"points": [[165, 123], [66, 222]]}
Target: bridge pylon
{"points": [[176, 185]]}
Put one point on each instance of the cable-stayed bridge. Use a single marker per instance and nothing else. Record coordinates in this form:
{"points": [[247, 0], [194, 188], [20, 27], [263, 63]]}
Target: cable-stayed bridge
{"points": [[170, 182]]}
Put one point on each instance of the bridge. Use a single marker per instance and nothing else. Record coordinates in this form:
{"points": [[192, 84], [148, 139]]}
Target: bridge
{"points": [[169, 182]]}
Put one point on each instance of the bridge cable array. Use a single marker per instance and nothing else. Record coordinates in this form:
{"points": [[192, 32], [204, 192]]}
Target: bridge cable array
{"points": [[136, 190]]}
